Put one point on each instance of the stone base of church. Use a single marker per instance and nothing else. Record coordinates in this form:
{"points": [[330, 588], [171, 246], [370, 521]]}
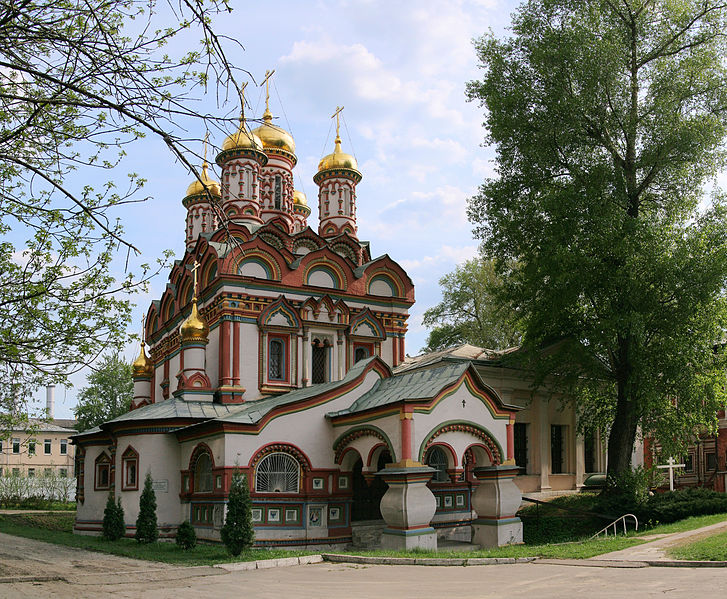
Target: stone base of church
{"points": [[396, 540], [487, 533]]}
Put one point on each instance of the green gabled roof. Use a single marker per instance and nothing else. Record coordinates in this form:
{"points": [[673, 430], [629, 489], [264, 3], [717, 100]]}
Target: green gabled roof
{"points": [[175, 408], [422, 384], [254, 411]]}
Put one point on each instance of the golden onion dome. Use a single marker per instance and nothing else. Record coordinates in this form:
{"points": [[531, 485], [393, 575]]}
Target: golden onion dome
{"points": [[242, 139], [272, 136], [299, 198], [194, 328], [142, 366], [337, 159], [197, 187]]}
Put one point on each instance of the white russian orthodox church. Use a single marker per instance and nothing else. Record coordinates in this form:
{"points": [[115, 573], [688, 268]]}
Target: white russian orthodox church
{"points": [[279, 351]]}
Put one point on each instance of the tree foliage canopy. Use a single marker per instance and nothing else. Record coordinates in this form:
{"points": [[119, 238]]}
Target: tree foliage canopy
{"points": [[471, 310], [79, 83], [608, 118], [108, 394]]}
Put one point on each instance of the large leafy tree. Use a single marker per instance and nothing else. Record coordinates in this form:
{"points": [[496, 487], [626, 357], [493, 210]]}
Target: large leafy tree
{"points": [[79, 82], [608, 118], [471, 310], [108, 393]]}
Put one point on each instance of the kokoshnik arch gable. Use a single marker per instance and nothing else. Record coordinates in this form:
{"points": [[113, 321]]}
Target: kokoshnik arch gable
{"points": [[279, 351]]}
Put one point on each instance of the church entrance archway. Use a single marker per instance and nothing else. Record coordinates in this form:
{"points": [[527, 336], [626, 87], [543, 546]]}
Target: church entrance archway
{"points": [[367, 494]]}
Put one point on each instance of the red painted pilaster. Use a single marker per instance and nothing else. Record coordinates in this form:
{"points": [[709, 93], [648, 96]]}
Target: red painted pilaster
{"points": [[225, 354], [236, 353], [511, 440]]}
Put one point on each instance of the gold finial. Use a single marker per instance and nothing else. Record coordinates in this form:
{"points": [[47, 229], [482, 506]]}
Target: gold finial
{"points": [[337, 114], [267, 115], [143, 328]]}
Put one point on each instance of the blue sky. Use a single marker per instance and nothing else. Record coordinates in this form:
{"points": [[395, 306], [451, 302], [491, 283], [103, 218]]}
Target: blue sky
{"points": [[399, 69]]}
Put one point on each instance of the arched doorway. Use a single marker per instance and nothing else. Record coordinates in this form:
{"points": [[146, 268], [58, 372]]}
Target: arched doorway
{"points": [[367, 497]]}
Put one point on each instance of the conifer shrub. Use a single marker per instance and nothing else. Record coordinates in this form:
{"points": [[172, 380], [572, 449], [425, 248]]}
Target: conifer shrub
{"points": [[238, 532], [186, 537], [113, 527], [146, 523]]}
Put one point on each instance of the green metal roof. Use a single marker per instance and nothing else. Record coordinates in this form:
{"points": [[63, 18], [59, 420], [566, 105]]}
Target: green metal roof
{"points": [[176, 408], [421, 384], [254, 411]]}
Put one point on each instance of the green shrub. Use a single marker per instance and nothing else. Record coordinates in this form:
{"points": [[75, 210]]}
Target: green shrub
{"points": [[186, 537], [238, 533], [683, 503], [146, 523], [113, 527]]}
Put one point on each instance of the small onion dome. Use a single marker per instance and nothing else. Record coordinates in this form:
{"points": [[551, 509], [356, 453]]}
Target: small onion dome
{"points": [[299, 198], [194, 328], [274, 137], [338, 159], [196, 187], [142, 366], [242, 139]]}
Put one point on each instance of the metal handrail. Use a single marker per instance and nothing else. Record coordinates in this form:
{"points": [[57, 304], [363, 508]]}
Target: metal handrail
{"points": [[613, 525]]}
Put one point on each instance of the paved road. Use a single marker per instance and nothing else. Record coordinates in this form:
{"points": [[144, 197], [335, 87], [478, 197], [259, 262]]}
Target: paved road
{"points": [[91, 574], [324, 581]]}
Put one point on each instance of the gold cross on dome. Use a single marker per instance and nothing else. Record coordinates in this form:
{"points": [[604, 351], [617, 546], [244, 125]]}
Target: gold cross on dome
{"points": [[266, 81], [337, 114], [204, 163], [194, 272]]}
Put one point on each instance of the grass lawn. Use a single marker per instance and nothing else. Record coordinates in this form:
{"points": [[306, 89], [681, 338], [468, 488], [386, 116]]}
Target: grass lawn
{"points": [[711, 549], [57, 528]]}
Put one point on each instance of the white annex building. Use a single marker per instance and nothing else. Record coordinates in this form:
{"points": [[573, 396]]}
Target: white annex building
{"points": [[279, 351]]}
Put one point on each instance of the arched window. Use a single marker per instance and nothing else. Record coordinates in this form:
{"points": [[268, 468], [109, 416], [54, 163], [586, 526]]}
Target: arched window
{"points": [[203, 474], [277, 473], [437, 459], [361, 353], [276, 360], [278, 192]]}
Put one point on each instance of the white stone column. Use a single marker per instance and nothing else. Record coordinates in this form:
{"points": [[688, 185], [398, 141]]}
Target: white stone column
{"points": [[544, 443], [580, 460], [496, 501]]}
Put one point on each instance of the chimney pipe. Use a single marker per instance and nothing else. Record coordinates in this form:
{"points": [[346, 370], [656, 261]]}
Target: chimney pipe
{"points": [[50, 401]]}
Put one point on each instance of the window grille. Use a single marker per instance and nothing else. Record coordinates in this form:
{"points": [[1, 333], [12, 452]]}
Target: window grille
{"points": [[319, 364], [437, 459], [277, 473], [276, 361]]}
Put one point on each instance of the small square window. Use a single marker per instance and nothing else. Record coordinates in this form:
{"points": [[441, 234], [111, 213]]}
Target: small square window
{"points": [[16, 445], [64, 446], [31, 472], [63, 472], [47, 446], [31, 447], [1, 445], [218, 481], [16, 471]]}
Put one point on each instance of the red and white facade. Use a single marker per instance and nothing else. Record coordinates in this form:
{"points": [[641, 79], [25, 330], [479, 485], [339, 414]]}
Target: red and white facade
{"points": [[282, 364]]}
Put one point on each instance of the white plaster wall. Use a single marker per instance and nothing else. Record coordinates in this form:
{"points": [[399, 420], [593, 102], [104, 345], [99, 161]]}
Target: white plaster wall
{"points": [[309, 430], [173, 371], [212, 354], [94, 501], [249, 344], [451, 408], [150, 447], [387, 351]]}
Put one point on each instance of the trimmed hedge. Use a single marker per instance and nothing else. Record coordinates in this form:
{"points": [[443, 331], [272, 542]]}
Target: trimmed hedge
{"points": [[683, 503]]}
